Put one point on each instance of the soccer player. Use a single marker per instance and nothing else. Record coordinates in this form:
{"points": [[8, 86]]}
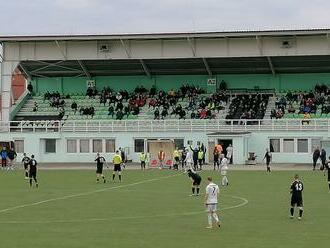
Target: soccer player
{"points": [[100, 160], [229, 153], [11, 156], [143, 158], [215, 158], [188, 160], [33, 171], [296, 196], [223, 170], [196, 181], [268, 157], [116, 169], [25, 162], [211, 202]]}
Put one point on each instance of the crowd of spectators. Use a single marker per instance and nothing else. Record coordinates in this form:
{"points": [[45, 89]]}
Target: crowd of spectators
{"points": [[252, 106], [309, 103]]}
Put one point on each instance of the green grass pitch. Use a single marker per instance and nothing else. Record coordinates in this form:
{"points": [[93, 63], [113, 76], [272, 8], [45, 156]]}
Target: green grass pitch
{"points": [[153, 209]]}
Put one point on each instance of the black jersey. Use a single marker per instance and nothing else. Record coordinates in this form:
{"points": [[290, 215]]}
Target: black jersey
{"points": [[268, 156], [194, 176], [296, 189], [33, 164], [100, 160], [26, 160]]}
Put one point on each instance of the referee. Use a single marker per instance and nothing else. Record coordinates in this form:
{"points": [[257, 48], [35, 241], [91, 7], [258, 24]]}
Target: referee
{"points": [[196, 182], [117, 160]]}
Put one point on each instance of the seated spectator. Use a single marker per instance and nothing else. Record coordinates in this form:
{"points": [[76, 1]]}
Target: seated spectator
{"points": [[119, 106], [182, 114], [291, 109], [111, 110], [74, 107], [127, 110], [306, 119], [35, 108], [164, 113], [156, 114], [119, 115]]}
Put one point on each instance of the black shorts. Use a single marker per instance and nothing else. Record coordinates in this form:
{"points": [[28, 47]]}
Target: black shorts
{"points": [[117, 167], [296, 201], [26, 166], [197, 182], [99, 169], [32, 173]]}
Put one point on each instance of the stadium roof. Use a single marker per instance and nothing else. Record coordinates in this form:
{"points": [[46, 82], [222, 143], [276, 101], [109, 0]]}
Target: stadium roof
{"points": [[239, 65], [246, 33]]}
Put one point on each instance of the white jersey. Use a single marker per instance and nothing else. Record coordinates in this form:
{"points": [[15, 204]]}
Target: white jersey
{"points": [[229, 152], [212, 191], [224, 164], [189, 157]]}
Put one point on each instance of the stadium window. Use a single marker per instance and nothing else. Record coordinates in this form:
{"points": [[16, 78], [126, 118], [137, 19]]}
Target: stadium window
{"points": [[302, 145], [84, 146], [97, 145], [315, 143], [179, 143], [288, 145], [50, 145], [139, 145], [71, 146], [110, 145], [274, 145], [19, 146]]}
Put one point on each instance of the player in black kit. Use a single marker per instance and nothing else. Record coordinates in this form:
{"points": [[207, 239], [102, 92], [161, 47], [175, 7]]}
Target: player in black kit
{"points": [[25, 162], [296, 188], [99, 167], [196, 181], [268, 157], [327, 167], [33, 170]]}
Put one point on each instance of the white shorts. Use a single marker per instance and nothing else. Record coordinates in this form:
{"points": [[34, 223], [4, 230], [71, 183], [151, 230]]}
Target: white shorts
{"points": [[211, 207], [223, 173]]}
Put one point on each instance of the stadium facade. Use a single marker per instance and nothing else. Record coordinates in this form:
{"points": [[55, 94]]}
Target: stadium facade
{"points": [[253, 61]]}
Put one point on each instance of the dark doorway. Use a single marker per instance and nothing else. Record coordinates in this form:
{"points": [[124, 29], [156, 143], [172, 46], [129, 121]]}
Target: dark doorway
{"points": [[225, 143]]}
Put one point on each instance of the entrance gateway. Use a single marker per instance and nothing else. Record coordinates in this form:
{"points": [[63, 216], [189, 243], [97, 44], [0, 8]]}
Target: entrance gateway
{"points": [[239, 141]]}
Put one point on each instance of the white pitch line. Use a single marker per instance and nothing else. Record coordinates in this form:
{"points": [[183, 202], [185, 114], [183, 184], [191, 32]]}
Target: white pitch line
{"points": [[84, 194], [244, 202]]}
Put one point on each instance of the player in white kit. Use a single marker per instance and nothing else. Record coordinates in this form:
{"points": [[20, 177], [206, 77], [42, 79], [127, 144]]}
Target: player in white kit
{"points": [[189, 160], [211, 202], [223, 170]]}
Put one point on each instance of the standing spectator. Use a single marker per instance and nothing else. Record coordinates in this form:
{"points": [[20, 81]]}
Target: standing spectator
{"points": [[3, 154], [200, 158], [195, 157], [316, 156], [30, 88], [123, 156], [203, 148], [11, 156], [161, 158]]}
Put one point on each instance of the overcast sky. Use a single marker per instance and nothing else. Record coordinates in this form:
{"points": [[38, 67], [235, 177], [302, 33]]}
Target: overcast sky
{"points": [[34, 17]]}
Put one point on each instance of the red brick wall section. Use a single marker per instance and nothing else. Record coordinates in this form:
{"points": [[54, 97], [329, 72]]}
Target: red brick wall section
{"points": [[18, 84]]}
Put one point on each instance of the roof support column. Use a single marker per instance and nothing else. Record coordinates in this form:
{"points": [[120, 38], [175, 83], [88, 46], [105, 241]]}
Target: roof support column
{"points": [[207, 67], [126, 48], [83, 67], [271, 65], [145, 68], [192, 46]]}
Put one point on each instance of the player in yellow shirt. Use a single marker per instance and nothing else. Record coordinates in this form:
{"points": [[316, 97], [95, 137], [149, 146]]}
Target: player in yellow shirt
{"points": [[143, 158], [176, 156], [117, 166]]}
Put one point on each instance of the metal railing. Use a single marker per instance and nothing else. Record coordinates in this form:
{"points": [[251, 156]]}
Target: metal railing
{"points": [[191, 125]]}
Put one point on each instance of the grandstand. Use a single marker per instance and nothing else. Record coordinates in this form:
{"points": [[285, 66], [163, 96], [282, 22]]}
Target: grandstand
{"points": [[254, 89]]}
